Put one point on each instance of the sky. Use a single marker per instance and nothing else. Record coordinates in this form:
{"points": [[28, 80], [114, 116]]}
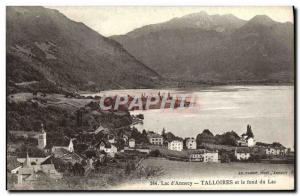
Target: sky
{"points": [[120, 20]]}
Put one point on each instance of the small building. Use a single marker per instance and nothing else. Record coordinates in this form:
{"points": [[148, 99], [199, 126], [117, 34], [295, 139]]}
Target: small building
{"points": [[131, 143], [155, 139], [246, 141], [276, 151], [242, 153], [205, 156], [108, 148], [272, 149], [176, 145], [191, 143], [67, 145], [27, 173], [67, 156], [111, 138]]}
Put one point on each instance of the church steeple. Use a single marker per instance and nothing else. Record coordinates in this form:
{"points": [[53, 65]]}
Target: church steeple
{"points": [[27, 161], [42, 141], [42, 128]]}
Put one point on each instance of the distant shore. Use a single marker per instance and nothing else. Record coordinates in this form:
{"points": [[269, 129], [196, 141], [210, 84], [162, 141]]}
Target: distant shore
{"points": [[88, 93]]}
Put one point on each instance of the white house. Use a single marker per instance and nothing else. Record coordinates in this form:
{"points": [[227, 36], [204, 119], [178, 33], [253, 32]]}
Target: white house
{"points": [[246, 141], [242, 153], [191, 143], [175, 145], [276, 151], [211, 156], [204, 156], [111, 138], [155, 139], [110, 149], [131, 143]]}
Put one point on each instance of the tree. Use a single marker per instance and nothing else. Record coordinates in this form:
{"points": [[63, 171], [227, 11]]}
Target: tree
{"points": [[78, 169], [228, 138], [225, 158], [205, 137], [32, 151], [97, 165], [129, 167], [163, 133], [155, 153]]}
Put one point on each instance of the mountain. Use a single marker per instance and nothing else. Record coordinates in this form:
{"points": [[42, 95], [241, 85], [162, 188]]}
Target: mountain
{"points": [[219, 48], [46, 47]]}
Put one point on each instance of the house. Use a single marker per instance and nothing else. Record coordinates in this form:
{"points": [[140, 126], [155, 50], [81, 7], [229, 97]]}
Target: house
{"points": [[28, 173], [191, 143], [131, 143], [176, 145], [101, 129], [246, 141], [205, 156], [67, 156], [155, 139], [66, 144], [108, 148], [242, 153], [276, 151], [111, 138], [211, 156]]}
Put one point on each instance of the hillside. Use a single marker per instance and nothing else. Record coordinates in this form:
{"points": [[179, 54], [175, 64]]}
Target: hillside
{"points": [[46, 48], [219, 48]]}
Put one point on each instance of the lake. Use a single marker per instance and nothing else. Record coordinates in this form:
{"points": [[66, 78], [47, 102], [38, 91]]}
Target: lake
{"points": [[268, 109]]}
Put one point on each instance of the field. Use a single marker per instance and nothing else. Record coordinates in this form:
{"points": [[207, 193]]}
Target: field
{"points": [[51, 99], [178, 175], [196, 169]]}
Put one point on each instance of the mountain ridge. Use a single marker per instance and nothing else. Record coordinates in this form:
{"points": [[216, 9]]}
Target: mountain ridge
{"points": [[68, 54], [219, 48]]}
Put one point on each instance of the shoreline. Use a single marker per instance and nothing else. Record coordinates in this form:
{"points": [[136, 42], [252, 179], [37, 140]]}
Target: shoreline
{"points": [[91, 93]]}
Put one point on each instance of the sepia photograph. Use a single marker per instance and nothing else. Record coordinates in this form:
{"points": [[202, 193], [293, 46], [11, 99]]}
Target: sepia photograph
{"points": [[150, 98]]}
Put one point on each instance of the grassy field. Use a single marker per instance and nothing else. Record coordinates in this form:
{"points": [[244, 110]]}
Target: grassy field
{"points": [[196, 169], [179, 175], [51, 99]]}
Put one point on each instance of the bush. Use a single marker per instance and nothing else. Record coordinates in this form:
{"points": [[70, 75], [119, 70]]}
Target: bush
{"points": [[155, 153], [225, 158]]}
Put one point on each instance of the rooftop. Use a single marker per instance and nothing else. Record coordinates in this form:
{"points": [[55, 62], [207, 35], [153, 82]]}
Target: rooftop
{"points": [[154, 135]]}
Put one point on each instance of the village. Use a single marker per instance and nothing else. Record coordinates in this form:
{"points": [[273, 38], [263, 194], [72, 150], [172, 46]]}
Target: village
{"points": [[86, 153]]}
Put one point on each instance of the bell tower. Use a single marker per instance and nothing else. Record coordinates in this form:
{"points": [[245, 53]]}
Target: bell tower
{"points": [[42, 142]]}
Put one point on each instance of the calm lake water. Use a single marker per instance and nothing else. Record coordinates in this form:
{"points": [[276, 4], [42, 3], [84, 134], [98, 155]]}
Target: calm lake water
{"points": [[268, 109]]}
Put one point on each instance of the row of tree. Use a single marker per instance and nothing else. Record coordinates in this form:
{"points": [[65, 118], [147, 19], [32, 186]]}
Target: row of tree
{"points": [[227, 138]]}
